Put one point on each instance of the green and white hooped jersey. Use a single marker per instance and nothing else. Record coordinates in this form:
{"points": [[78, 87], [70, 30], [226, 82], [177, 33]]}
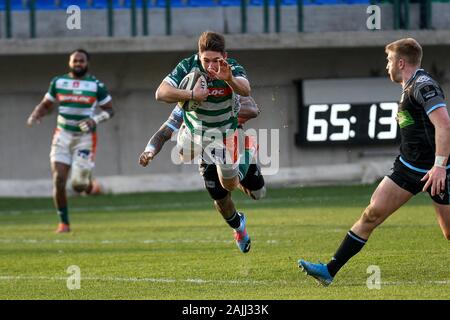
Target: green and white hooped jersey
{"points": [[77, 99], [220, 110]]}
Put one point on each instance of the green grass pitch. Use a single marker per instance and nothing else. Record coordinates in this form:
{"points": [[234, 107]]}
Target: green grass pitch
{"points": [[176, 246]]}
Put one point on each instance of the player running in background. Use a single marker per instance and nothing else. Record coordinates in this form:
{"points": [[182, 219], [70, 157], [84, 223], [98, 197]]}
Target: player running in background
{"points": [[77, 94], [252, 183], [421, 166]]}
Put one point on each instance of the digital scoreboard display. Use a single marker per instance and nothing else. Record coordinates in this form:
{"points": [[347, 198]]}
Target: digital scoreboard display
{"points": [[360, 111]]}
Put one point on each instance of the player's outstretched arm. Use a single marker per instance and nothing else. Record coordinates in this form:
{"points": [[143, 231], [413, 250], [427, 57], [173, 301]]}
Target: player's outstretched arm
{"points": [[155, 145], [42, 109]]}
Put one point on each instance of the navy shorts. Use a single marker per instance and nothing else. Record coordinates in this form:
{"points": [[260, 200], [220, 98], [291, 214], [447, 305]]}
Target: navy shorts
{"points": [[409, 180], [253, 181]]}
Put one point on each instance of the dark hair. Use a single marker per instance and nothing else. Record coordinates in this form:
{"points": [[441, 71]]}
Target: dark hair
{"points": [[211, 41], [408, 49], [88, 57]]}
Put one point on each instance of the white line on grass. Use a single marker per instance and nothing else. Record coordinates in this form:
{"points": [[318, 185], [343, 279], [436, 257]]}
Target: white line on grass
{"points": [[175, 205], [155, 280], [119, 241], [211, 281]]}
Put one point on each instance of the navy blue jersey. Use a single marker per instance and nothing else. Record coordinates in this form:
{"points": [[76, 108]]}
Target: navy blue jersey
{"points": [[421, 96]]}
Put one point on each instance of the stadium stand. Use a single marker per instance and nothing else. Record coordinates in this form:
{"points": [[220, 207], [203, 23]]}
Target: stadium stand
{"points": [[228, 16], [83, 4], [103, 4]]}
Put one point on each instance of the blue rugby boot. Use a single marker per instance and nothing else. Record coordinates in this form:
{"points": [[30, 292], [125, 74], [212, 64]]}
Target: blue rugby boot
{"points": [[319, 271], [241, 236]]}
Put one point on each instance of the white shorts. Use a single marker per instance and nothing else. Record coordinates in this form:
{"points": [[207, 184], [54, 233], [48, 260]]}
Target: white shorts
{"points": [[74, 148], [224, 154]]}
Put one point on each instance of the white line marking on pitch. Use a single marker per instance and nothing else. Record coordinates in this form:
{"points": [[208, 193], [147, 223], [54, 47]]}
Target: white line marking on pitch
{"points": [[172, 205], [118, 241], [204, 281], [156, 280]]}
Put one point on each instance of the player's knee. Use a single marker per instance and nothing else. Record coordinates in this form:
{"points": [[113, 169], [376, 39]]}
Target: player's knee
{"points": [[259, 194], [230, 184], [371, 215]]}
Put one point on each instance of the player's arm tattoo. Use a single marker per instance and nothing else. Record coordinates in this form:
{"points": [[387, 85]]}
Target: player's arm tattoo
{"points": [[160, 138]]}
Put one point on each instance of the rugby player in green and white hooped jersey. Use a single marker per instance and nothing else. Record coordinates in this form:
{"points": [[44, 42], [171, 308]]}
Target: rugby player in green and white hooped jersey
{"points": [[225, 78], [74, 142]]}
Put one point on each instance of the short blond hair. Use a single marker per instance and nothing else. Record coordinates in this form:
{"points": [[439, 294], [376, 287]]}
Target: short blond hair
{"points": [[408, 49]]}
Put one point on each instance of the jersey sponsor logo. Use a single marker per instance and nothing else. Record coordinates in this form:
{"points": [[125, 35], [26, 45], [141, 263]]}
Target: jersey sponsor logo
{"points": [[220, 92], [75, 98], [404, 119], [428, 92], [68, 84], [442, 195], [422, 79]]}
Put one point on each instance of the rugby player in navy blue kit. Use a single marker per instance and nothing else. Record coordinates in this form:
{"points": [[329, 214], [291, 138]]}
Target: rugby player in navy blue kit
{"points": [[421, 166]]}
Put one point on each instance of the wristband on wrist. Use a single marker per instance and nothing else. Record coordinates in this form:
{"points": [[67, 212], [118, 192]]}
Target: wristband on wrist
{"points": [[150, 148], [440, 161], [102, 116]]}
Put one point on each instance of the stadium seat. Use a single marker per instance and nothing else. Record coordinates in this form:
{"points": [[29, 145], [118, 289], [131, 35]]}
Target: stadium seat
{"points": [[326, 2], [138, 3], [202, 3], [331, 2], [261, 2], [15, 5], [103, 4], [289, 2], [230, 3], [46, 5], [173, 3], [357, 2], [150, 3], [83, 4]]}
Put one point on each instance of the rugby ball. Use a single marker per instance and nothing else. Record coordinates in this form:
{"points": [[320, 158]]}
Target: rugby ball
{"points": [[188, 83]]}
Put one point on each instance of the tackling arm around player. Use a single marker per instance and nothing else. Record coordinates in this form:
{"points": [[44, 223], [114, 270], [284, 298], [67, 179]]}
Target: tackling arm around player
{"points": [[248, 110]]}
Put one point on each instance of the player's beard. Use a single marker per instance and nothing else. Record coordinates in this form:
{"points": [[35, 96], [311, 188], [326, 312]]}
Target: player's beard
{"points": [[395, 75], [79, 72]]}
